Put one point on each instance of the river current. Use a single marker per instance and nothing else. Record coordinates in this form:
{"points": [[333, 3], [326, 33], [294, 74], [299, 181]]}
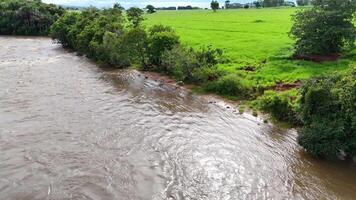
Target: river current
{"points": [[70, 129]]}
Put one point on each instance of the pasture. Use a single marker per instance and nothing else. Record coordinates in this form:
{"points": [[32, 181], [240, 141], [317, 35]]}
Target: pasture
{"points": [[253, 39]]}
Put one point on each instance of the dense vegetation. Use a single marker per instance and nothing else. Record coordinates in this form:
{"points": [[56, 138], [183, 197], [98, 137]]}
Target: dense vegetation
{"points": [[22, 17], [328, 113], [324, 29], [113, 39]]}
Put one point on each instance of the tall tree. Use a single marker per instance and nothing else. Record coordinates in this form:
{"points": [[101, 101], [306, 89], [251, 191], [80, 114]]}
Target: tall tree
{"points": [[303, 2], [214, 5], [135, 16], [150, 9], [326, 28]]}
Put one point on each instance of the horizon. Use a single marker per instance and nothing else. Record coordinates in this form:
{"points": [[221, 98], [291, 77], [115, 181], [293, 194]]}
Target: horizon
{"points": [[139, 3]]}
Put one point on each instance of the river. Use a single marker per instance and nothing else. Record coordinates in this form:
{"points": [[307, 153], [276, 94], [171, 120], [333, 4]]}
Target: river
{"points": [[72, 130]]}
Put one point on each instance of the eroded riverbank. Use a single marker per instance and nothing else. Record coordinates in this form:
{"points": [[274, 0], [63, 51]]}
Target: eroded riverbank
{"points": [[70, 130]]}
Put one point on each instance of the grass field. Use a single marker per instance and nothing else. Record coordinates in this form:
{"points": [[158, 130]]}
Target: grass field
{"points": [[253, 37]]}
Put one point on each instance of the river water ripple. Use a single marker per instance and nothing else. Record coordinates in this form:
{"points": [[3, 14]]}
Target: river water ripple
{"points": [[72, 130]]}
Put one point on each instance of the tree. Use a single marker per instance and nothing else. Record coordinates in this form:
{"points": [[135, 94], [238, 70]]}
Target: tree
{"points": [[18, 17], [214, 5], [135, 16], [150, 9], [161, 39], [258, 4], [303, 2], [272, 3], [325, 29], [118, 6]]}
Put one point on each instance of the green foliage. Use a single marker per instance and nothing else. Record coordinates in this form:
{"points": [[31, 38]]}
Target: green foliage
{"points": [[19, 17], [159, 28], [180, 62], [209, 56], [230, 85], [272, 3], [328, 112], [279, 105], [135, 16], [326, 28], [99, 34], [303, 2], [188, 65], [214, 5], [150, 9], [160, 41]]}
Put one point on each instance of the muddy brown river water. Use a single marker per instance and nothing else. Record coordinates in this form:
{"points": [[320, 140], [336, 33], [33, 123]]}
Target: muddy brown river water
{"points": [[72, 130]]}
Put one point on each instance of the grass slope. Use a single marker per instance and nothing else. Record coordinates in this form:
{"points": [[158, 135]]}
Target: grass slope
{"points": [[253, 37]]}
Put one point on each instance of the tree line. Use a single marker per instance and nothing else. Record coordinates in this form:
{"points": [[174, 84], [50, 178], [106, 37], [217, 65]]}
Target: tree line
{"points": [[117, 38]]}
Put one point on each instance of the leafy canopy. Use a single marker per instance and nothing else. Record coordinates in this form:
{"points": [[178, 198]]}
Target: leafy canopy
{"points": [[324, 29]]}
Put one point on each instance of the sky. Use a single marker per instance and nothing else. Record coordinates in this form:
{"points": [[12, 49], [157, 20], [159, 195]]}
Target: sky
{"points": [[140, 3]]}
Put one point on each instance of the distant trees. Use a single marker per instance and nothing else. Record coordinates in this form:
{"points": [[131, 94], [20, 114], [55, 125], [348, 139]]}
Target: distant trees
{"points": [[18, 17], [214, 5], [303, 2], [150, 9], [135, 16], [272, 3], [325, 29], [258, 4]]}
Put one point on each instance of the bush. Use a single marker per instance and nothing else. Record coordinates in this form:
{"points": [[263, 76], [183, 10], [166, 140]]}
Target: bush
{"points": [[158, 29], [279, 105], [328, 112], [135, 43], [159, 42], [207, 74], [230, 85], [209, 56], [179, 62], [61, 28], [189, 65], [325, 29]]}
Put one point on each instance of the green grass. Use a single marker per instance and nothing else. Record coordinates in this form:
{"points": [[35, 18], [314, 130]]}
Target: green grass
{"points": [[253, 37]]}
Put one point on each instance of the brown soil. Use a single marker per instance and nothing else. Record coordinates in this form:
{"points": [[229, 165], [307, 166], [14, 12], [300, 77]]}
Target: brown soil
{"points": [[318, 58], [249, 68], [287, 86]]}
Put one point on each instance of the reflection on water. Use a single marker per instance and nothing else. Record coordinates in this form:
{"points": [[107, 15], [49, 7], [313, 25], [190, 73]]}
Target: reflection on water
{"points": [[70, 130]]}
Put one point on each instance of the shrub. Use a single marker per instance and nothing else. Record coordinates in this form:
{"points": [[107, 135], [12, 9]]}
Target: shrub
{"points": [[61, 28], [328, 112], [189, 65], [207, 74], [179, 62], [160, 42], [135, 43], [325, 29], [209, 56], [159, 28], [230, 85], [279, 105]]}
